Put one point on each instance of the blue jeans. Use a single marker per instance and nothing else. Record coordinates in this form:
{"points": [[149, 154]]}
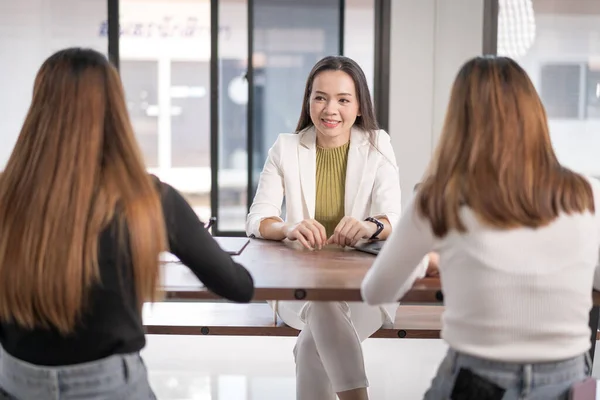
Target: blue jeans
{"points": [[118, 377], [541, 381]]}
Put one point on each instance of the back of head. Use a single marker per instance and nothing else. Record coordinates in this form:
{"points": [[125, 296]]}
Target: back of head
{"points": [[495, 155], [75, 161]]}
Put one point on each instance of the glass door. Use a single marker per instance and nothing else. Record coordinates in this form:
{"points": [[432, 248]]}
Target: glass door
{"points": [[287, 38], [165, 67]]}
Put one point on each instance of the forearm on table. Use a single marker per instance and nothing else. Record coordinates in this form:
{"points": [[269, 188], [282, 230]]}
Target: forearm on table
{"points": [[272, 229], [394, 269]]}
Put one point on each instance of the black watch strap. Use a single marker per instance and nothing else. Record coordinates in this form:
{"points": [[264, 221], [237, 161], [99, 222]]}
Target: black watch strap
{"points": [[379, 227]]}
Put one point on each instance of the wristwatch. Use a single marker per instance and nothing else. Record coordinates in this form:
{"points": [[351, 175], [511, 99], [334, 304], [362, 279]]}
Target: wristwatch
{"points": [[379, 227]]}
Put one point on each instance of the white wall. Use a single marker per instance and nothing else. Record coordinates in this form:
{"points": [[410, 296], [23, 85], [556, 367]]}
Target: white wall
{"points": [[430, 40], [458, 38], [359, 35], [30, 31]]}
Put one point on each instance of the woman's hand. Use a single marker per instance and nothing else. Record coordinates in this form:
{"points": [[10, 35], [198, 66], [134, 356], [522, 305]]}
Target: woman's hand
{"points": [[350, 230], [433, 266], [308, 232]]}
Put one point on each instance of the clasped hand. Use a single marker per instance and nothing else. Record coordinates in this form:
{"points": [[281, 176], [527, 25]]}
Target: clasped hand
{"points": [[311, 234]]}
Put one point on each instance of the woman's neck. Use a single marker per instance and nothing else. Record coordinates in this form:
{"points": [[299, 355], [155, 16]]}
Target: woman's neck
{"points": [[328, 142]]}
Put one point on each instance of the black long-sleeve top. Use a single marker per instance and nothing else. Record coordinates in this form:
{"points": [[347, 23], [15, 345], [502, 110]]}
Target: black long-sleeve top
{"points": [[111, 323]]}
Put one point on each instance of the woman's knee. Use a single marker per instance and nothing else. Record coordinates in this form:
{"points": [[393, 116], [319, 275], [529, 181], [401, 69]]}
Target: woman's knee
{"points": [[327, 310], [305, 347]]}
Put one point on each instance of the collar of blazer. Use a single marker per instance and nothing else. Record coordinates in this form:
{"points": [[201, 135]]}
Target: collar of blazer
{"points": [[358, 154]]}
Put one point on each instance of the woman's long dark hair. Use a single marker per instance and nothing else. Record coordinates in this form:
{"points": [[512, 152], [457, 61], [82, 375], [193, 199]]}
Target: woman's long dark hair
{"points": [[367, 120]]}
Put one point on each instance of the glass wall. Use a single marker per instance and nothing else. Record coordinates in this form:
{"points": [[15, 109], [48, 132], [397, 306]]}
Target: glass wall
{"points": [[165, 68], [558, 44], [165, 49], [233, 116], [290, 36]]}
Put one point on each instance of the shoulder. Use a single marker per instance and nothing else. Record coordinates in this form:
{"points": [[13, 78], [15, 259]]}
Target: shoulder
{"points": [[283, 146], [382, 138], [158, 184], [165, 190], [383, 146], [595, 185], [287, 139]]}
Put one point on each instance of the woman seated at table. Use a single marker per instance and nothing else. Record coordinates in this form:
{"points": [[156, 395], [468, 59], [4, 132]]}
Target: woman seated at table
{"points": [[81, 228], [339, 176], [518, 236]]}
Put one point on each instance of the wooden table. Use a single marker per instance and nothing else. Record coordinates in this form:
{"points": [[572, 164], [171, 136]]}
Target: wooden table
{"points": [[284, 271]]}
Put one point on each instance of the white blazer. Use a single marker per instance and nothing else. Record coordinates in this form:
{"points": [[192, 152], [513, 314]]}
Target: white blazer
{"points": [[372, 181], [372, 185]]}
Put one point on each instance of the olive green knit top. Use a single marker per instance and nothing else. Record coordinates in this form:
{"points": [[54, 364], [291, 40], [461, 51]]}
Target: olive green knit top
{"points": [[330, 186]]}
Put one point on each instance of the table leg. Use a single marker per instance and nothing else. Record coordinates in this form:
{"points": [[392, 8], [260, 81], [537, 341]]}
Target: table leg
{"points": [[594, 314]]}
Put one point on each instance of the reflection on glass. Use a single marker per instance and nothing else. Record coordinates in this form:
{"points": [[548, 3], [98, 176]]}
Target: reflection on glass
{"points": [[165, 56], [179, 385], [233, 387], [593, 91], [558, 44], [140, 84], [272, 387], [190, 118], [516, 27], [560, 91], [289, 38], [233, 100]]}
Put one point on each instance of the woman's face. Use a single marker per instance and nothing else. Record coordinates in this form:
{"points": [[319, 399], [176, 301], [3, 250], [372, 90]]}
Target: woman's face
{"points": [[333, 107]]}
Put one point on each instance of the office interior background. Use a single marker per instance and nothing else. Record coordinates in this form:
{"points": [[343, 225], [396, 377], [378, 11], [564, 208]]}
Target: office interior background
{"points": [[205, 117]]}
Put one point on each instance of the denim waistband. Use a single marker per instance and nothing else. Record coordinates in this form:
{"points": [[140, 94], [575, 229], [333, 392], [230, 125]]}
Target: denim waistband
{"points": [[527, 376], [118, 364], [516, 367]]}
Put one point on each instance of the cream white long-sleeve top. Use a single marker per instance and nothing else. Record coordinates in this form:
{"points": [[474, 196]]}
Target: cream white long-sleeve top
{"points": [[518, 295]]}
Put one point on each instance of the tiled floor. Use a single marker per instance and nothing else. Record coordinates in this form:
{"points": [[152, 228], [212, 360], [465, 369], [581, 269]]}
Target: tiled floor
{"points": [[262, 368]]}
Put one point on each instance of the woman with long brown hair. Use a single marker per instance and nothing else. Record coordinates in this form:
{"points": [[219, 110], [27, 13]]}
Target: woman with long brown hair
{"points": [[81, 228], [518, 238], [340, 181]]}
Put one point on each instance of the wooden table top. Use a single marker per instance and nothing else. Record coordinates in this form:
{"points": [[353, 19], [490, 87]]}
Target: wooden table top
{"points": [[285, 271]]}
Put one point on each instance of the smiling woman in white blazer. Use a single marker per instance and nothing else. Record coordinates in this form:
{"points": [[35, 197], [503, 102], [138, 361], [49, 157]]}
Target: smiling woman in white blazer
{"points": [[372, 183], [338, 121]]}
